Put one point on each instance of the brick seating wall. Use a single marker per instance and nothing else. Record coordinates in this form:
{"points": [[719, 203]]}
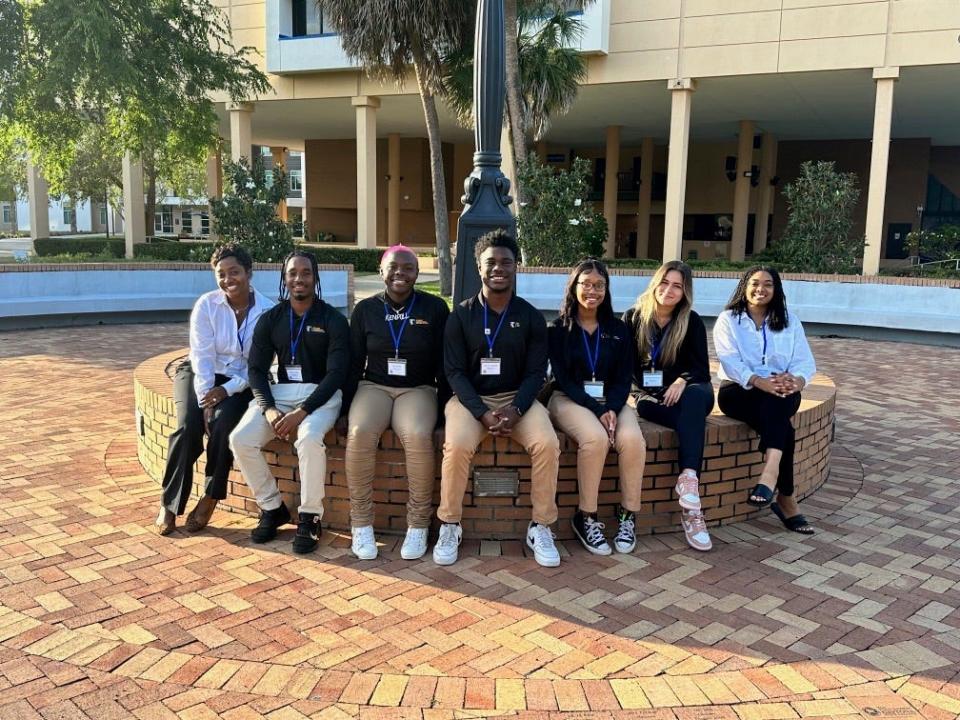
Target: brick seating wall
{"points": [[732, 464]]}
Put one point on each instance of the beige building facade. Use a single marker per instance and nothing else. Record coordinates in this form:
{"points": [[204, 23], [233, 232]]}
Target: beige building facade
{"points": [[702, 110]]}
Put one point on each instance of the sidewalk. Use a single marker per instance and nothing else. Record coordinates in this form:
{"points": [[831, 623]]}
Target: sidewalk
{"points": [[100, 618]]}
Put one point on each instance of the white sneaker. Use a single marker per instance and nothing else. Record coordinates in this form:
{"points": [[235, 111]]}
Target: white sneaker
{"points": [[446, 549], [540, 540], [414, 544], [364, 544]]}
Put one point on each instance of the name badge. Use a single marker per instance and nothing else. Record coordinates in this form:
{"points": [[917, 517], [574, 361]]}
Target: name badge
{"points": [[489, 366], [653, 378], [294, 373], [594, 389], [397, 366]]}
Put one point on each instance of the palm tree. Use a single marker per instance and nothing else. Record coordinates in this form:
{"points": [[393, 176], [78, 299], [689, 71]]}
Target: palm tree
{"points": [[549, 69], [389, 37]]}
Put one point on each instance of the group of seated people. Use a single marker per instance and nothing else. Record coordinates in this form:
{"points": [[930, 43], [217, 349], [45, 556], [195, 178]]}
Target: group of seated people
{"points": [[292, 370]]}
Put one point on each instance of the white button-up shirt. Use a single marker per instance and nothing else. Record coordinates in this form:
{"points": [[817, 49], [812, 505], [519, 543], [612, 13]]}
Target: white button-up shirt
{"points": [[739, 345], [217, 345]]}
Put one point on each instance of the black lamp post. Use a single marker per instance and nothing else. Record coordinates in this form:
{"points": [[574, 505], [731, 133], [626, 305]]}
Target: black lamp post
{"points": [[486, 190]]}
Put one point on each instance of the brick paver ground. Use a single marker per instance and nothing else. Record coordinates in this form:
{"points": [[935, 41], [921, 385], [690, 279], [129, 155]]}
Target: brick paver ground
{"points": [[100, 618]]}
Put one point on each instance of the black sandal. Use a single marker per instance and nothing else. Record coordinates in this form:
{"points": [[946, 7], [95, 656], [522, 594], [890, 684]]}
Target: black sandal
{"points": [[797, 523], [762, 491]]}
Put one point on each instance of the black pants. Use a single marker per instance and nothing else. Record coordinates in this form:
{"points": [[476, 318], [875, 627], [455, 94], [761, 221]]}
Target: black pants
{"points": [[688, 416], [769, 415], [186, 442]]}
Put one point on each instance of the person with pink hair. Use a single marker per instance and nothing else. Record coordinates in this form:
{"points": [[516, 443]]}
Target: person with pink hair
{"points": [[396, 380]]}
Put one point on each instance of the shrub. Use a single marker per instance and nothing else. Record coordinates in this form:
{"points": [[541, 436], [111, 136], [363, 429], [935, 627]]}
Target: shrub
{"points": [[100, 246], [173, 251], [818, 237], [940, 244], [247, 213], [557, 226], [362, 259]]}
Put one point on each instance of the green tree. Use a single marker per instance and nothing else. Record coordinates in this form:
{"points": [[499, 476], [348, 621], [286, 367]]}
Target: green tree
{"points": [[391, 37], [247, 212], [146, 71], [11, 52], [543, 71], [819, 234], [13, 169], [557, 226]]}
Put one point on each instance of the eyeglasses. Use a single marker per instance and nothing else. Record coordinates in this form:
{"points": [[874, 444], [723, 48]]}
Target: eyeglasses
{"points": [[590, 287]]}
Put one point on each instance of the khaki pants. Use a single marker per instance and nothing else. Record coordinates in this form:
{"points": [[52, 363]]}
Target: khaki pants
{"points": [[253, 432], [464, 433], [412, 413], [593, 444]]}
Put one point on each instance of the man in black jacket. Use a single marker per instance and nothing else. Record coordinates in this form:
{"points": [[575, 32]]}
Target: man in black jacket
{"points": [[495, 355], [311, 344]]}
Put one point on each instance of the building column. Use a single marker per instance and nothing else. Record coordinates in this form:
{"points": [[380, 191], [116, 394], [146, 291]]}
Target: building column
{"points": [[214, 190], [366, 169], [279, 155], [134, 212], [241, 134], [741, 192], [768, 168], [879, 161], [645, 199], [611, 187], [39, 199], [681, 104], [393, 189]]}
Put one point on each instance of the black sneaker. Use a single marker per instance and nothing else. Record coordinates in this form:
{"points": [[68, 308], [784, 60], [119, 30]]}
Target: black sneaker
{"points": [[626, 539], [590, 533], [308, 533], [270, 520]]}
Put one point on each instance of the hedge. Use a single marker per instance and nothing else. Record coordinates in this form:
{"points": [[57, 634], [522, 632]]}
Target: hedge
{"points": [[362, 259], [100, 246], [174, 251]]}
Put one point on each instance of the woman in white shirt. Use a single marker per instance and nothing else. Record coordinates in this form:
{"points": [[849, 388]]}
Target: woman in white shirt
{"points": [[210, 390], [765, 361]]}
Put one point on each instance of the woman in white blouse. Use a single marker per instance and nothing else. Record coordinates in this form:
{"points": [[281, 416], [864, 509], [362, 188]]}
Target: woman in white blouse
{"points": [[765, 361], [210, 390]]}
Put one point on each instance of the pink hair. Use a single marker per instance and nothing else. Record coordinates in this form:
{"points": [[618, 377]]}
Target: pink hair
{"points": [[399, 247]]}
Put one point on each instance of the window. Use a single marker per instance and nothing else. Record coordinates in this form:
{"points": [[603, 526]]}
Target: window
{"points": [[296, 181], [306, 20], [69, 215], [103, 215], [186, 221], [204, 224], [163, 221], [7, 219]]}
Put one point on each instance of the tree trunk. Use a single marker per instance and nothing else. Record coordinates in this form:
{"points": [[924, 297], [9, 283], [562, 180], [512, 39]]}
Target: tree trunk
{"points": [[150, 208], [440, 215], [106, 205], [13, 215], [514, 100], [73, 215]]}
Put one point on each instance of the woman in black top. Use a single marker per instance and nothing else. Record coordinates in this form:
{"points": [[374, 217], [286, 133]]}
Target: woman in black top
{"points": [[673, 373], [592, 369]]}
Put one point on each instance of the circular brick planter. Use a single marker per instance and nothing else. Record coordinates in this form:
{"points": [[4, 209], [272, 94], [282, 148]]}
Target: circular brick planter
{"points": [[732, 464]]}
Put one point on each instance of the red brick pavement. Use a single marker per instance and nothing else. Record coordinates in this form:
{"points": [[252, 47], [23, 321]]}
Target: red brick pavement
{"points": [[100, 618]]}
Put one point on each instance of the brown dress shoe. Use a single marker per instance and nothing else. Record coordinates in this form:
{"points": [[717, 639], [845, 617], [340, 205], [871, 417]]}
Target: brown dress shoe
{"points": [[166, 522], [200, 515]]}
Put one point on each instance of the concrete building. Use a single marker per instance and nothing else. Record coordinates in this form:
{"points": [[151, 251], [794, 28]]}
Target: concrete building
{"points": [[695, 114]]}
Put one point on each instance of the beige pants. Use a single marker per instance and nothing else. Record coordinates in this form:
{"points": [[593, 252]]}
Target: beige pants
{"points": [[464, 433], [412, 413], [593, 444]]}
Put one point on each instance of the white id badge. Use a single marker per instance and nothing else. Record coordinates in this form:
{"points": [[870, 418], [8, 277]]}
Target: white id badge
{"points": [[397, 367], [489, 366], [653, 378], [294, 373], [594, 389]]}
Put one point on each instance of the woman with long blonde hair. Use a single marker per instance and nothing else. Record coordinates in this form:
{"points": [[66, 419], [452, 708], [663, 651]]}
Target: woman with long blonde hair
{"points": [[672, 372]]}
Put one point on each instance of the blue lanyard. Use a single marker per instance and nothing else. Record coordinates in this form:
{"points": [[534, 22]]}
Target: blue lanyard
{"points": [[593, 358], [241, 335], [403, 324], [763, 329], [655, 346], [491, 339], [295, 342]]}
